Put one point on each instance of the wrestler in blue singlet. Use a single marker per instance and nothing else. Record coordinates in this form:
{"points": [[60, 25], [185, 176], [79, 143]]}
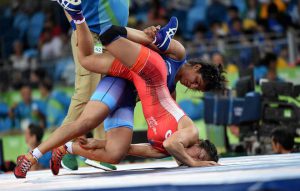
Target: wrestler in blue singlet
{"points": [[120, 95]]}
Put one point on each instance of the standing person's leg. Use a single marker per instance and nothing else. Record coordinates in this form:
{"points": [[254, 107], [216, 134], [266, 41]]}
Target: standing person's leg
{"points": [[85, 84]]}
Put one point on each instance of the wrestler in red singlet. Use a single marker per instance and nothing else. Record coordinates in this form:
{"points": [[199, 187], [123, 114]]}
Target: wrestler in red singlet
{"points": [[149, 75]]}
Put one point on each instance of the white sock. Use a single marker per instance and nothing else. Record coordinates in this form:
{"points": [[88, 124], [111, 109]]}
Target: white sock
{"points": [[69, 147], [36, 153], [78, 22]]}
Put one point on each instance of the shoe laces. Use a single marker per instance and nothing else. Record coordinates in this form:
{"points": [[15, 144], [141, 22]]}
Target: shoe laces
{"points": [[25, 165]]}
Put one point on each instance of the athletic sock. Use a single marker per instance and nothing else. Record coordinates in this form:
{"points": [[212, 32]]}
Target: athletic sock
{"points": [[79, 21], [69, 147], [36, 153]]}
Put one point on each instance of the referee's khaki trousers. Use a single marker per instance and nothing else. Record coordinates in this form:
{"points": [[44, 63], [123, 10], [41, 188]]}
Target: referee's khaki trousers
{"points": [[85, 84]]}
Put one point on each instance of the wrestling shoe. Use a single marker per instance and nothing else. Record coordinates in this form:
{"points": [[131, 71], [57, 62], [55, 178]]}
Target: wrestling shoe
{"points": [[165, 34], [74, 8], [69, 162], [56, 158], [24, 163], [100, 165]]}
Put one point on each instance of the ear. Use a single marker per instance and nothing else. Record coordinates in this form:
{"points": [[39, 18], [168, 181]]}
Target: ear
{"points": [[280, 148], [277, 147], [197, 67]]}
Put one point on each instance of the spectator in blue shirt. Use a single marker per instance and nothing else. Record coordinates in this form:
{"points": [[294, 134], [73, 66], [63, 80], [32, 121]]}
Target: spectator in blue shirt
{"points": [[27, 111], [5, 122], [51, 107]]}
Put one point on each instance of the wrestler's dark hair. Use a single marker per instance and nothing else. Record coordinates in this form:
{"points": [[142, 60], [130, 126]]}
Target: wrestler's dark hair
{"points": [[47, 84], [210, 149], [212, 74]]}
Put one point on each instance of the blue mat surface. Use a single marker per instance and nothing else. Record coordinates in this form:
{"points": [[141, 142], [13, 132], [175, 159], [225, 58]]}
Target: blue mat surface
{"points": [[268, 172]]}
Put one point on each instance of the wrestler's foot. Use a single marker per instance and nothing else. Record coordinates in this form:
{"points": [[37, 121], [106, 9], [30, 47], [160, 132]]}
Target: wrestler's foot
{"points": [[100, 165], [57, 155], [73, 7], [165, 34], [24, 163]]}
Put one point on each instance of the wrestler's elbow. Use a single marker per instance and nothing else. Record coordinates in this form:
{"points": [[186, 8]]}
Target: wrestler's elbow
{"points": [[169, 145]]}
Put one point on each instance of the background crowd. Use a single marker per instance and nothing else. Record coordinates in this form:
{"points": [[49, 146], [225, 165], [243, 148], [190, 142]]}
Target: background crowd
{"points": [[36, 65]]}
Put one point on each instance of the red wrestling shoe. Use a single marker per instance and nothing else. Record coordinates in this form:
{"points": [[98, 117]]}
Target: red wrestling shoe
{"points": [[24, 163], [57, 155]]}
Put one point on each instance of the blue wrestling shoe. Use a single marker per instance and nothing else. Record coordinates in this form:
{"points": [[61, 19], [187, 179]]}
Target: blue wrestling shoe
{"points": [[73, 7], [165, 34]]}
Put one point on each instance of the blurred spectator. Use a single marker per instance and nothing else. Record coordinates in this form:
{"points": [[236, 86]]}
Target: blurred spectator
{"points": [[157, 14], [233, 15], [282, 141], [36, 76], [50, 45], [180, 8], [267, 69], [5, 122], [294, 13], [216, 31], [282, 58], [21, 19], [277, 21], [218, 58], [236, 29], [271, 62], [36, 23], [33, 137], [196, 15], [51, 107], [140, 9], [19, 61], [252, 10], [216, 12], [27, 111], [241, 5]]}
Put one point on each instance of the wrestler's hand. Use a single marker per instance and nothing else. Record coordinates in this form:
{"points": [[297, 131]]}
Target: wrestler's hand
{"points": [[205, 163], [89, 143], [151, 31]]}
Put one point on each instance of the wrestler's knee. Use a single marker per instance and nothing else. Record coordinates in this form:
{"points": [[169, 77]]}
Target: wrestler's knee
{"points": [[117, 157]]}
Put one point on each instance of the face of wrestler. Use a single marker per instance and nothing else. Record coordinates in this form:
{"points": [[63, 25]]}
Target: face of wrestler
{"points": [[197, 153], [191, 78]]}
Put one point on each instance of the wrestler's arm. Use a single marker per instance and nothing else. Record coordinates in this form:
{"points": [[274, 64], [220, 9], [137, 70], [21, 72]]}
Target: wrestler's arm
{"points": [[145, 150]]}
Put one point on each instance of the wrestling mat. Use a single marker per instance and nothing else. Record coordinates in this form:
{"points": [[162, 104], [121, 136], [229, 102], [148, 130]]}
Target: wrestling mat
{"points": [[253, 173]]}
